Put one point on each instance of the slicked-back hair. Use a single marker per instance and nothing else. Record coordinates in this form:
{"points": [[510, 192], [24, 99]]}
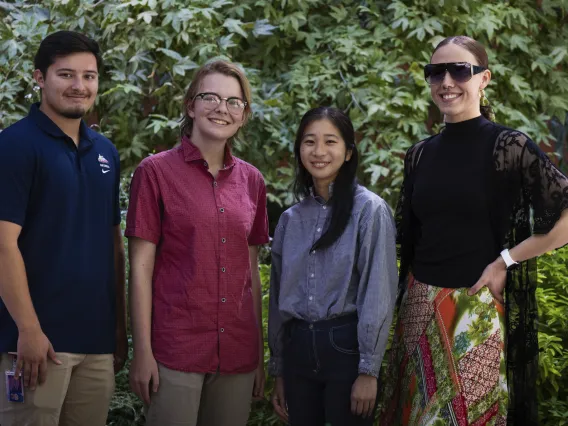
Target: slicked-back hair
{"points": [[478, 51]]}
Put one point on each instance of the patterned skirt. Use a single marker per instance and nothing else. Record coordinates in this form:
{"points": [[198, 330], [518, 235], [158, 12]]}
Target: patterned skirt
{"points": [[447, 364]]}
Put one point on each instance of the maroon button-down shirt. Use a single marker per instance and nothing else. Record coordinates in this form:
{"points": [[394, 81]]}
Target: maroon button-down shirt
{"points": [[202, 306]]}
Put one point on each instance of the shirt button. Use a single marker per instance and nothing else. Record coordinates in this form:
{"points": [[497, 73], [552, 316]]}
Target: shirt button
{"points": [[324, 207], [223, 240], [215, 183], [205, 164], [312, 275], [319, 229], [311, 297], [223, 300], [222, 210], [311, 327], [222, 330], [313, 252], [223, 269]]}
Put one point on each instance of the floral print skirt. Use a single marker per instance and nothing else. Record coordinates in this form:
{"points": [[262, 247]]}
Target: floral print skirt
{"points": [[447, 364]]}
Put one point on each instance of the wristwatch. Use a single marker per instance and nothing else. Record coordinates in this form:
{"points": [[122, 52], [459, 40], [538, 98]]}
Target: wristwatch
{"points": [[508, 259]]}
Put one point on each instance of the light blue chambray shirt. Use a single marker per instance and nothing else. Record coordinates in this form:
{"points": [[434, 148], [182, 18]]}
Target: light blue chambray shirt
{"points": [[358, 273]]}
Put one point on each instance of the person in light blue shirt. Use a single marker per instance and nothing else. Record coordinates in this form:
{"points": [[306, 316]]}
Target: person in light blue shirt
{"points": [[333, 283]]}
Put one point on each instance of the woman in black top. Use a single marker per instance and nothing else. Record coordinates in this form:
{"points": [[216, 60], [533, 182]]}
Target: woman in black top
{"points": [[479, 202]]}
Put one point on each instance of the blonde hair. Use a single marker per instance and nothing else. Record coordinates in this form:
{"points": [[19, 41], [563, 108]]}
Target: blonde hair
{"points": [[215, 67]]}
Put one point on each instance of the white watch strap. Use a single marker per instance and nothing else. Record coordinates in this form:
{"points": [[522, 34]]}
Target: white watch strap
{"points": [[507, 258]]}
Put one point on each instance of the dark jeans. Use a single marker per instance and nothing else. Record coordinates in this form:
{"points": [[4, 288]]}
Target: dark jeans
{"points": [[321, 361]]}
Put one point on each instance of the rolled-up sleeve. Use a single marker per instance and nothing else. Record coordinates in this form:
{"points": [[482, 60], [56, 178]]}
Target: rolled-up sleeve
{"points": [[275, 319], [376, 297], [259, 231], [144, 216]]}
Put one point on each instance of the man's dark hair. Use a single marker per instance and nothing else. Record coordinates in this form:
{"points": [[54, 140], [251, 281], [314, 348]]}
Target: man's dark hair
{"points": [[343, 197], [64, 43]]}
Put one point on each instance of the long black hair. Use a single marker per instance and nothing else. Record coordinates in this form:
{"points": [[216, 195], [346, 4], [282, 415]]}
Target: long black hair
{"points": [[345, 183]]}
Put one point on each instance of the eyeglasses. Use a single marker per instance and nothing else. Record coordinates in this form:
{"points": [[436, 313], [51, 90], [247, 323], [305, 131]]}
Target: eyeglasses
{"points": [[459, 71], [211, 101]]}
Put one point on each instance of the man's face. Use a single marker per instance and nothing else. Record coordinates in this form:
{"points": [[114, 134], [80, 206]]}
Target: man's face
{"points": [[70, 85]]}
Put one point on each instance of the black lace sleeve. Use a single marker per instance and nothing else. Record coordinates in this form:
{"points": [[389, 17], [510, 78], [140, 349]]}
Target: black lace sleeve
{"points": [[542, 184], [531, 184], [406, 224], [545, 186]]}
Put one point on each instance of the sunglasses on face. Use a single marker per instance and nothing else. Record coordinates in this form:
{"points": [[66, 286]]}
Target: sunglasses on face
{"points": [[459, 71]]}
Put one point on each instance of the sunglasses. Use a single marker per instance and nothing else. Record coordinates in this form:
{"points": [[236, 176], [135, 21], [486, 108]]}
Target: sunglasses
{"points": [[459, 71]]}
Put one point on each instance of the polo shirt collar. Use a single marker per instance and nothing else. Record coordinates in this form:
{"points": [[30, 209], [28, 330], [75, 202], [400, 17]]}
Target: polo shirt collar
{"points": [[191, 153], [48, 126]]}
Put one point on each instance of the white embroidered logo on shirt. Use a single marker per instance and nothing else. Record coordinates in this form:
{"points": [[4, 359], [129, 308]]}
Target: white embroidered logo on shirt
{"points": [[103, 162]]}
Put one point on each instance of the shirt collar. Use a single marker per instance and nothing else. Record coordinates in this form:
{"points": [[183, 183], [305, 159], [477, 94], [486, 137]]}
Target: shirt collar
{"points": [[48, 126], [191, 153], [318, 198]]}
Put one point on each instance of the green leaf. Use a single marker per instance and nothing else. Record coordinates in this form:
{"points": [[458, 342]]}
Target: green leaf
{"points": [[147, 16], [558, 54], [218, 4], [170, 53], [339, 13], [235, 26], [401, 22], [377, 172], [263, 27], [519, 83], [373, 108], [226, 42]]}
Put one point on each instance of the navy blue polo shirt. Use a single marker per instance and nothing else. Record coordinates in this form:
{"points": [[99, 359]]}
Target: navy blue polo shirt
{"points": [[66, 199]]}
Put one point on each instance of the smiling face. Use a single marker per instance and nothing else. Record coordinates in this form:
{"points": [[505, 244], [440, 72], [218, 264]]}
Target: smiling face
{"points": [[215, 122], [323, 151], [69, 86], [458, 101]]}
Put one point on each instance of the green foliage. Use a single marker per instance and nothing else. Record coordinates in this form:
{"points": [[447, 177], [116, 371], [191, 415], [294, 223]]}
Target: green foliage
{"points": [[364, 57], [552, 297]]}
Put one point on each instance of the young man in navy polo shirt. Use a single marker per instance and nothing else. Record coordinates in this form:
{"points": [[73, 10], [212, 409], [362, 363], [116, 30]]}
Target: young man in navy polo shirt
{"points": [[61, 253]]}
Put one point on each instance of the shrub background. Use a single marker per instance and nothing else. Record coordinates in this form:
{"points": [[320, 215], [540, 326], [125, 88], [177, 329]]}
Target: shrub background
{"points": [[362, 56]]}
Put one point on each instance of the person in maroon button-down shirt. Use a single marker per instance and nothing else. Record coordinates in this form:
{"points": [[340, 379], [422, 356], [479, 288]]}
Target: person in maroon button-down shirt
{"points": [[196, 218]]}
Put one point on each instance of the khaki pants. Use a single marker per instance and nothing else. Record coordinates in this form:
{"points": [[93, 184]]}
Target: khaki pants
{"points": [[76, 393], [193, 399]]}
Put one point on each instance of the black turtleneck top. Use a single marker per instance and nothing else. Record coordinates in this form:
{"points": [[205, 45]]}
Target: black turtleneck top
{"points": [[455, 240], [467, 193]]}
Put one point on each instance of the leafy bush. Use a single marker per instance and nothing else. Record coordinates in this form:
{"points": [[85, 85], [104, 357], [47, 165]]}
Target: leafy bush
{"points": [[362, 56], [552, 297]]}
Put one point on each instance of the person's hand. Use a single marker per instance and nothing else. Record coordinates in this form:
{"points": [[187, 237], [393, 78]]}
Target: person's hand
{"points": [[121, 351], [279, 400], [494, 278], [259, 381], [143, 374], [34, 350], [364, 395]]}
